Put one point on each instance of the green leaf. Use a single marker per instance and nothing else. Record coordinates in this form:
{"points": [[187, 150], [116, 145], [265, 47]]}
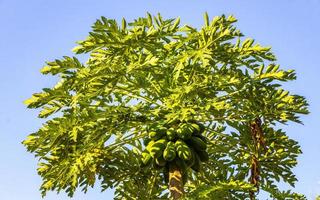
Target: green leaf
{"points": [[206, 19]]}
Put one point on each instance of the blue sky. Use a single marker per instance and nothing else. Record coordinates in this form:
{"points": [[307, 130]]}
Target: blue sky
{"points": [[33, 32]]}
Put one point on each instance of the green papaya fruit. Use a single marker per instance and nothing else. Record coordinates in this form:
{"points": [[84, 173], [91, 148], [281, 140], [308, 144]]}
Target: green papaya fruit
{"points": [[156, 149], [154, 135], [197, 163], [203, 138], [182, 149], [198, 128], [203, 155], [181, 164], [190, 162], [169, 152], [171, 134], [197, 143], [156, 166], [185, 131], [160, 161]]}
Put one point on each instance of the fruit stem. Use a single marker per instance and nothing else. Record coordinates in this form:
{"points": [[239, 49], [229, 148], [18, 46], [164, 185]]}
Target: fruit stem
{"points": [[175, 182]]}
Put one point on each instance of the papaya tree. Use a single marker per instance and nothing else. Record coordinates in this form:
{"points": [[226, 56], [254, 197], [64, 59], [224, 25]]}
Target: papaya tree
{"points": [[160, 111]]}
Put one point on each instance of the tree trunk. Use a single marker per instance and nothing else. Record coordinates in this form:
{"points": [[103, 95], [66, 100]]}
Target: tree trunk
{"points": [[175, 182]]}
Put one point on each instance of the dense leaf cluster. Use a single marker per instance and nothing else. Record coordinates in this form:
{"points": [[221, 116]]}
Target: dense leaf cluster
{"points": [[153, 71]]}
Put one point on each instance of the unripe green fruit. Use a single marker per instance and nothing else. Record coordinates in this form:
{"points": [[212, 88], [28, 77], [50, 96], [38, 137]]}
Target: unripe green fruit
{"points": [[171, 134], [181, 164], [156, 166], [185, 131], [191, 161], [197, 163], [157, 147], [198, 128], [197, 143], [154, 135], [169, 152], [183, 150], [203, 138], [203, 155], [160, 161]]}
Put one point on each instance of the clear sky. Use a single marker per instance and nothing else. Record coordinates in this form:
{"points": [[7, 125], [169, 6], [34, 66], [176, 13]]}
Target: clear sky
{"points": [[32, 32]]}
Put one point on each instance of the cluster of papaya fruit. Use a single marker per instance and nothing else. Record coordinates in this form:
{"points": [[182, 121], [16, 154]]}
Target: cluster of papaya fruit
{"points": [[181, 144]]}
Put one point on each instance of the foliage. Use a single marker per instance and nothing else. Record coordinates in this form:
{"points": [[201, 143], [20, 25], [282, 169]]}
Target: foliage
{"points": [[153, 72]]}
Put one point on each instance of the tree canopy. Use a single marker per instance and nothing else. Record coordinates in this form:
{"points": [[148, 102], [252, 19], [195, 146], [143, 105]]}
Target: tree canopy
{"points": [[153, 76]]}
